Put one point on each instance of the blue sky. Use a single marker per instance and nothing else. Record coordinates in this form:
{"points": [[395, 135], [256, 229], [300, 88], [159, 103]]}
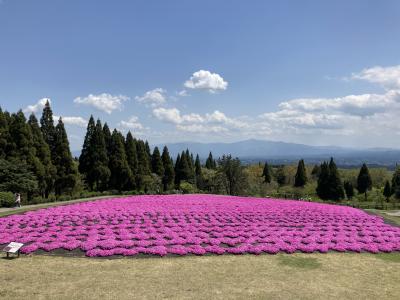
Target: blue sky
{"points": [[300, 71]]}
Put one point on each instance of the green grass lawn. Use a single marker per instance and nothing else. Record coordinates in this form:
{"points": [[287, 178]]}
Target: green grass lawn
{"points": [[282, 276]]}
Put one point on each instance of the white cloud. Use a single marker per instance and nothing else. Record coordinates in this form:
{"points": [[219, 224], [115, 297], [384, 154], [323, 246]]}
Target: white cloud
{"points": [[74, 121], [183, 93], [388, 77], [206, 80], [132, 123], [154, 97], [104, 102], [36, 107], [170, 115]]}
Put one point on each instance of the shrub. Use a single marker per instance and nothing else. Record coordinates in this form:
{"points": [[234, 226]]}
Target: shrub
{"points": [[187, 188], [7, 199]]}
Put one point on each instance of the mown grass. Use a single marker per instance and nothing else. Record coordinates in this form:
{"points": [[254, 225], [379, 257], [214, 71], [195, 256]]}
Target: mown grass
{"points": [[282, 276]]}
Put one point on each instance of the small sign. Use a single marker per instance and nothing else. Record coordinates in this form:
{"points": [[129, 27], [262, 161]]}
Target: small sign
{"points": [[12, 247]]}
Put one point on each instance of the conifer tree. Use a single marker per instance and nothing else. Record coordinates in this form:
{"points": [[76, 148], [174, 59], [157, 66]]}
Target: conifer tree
{"points": [[316, 171], [169, 173], [335, 183], [4, 134], [107, 138], [67, 173], [132, 157], [210, 162], [156, 163], [176, 170], [267, 173], [300, 178], [198, 173], [47, 127], [323, 189], [364, 182], [100, 173], [280, 176], [143, 164], [45, 179], [396, 183], [121, 174], [86, 159], [349, 189], [387, 191]]}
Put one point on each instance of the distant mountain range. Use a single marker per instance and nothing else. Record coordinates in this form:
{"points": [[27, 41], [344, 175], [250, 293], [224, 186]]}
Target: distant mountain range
{"points": [[280, 152]]}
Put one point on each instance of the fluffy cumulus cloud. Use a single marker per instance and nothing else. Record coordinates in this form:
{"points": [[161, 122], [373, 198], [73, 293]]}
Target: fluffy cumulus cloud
{"points": [[153, 98], [213, 122], [73, 121], [388, 77], [206, 80], [36, 107], [103, 102], [132, 124]]}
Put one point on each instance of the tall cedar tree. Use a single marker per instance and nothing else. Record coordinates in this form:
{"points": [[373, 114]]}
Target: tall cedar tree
{"points": [[86, 162], [67, 173], [177, 179], [396, 183], [280, 176], [300, 178], [198, 173], [101, 172], [387, 191], [316, 171], [349, 189], [210, 162], [46, 181], [157, 166], [364, 182], [267, 173], [48, 129], [131, 156], [185, 172], [121, 174], [143, 164], [4, 134], [169, 173], [323, 182], [336, 186]]}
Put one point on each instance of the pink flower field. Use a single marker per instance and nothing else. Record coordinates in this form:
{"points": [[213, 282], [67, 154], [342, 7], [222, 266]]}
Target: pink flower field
{"points": [[198, 224]]}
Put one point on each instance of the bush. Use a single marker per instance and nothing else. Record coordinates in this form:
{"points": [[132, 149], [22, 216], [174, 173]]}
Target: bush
{"points": [[187, 188], [7, 199]]}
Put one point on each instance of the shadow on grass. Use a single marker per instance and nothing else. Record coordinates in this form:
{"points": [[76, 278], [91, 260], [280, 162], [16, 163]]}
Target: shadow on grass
{"points": [[308, 263], [389, 257]]}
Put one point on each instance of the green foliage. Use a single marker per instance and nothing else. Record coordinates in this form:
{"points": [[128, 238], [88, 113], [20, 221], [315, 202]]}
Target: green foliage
{"points": [[233, 177], [157, 166], [364, 182], [301, 175], [316, 171], [47, 127], [329, 183], [387, 191], [267, 173], [210, 162], [16, 177], [131, 155], [187, 187], [7, 199], [280, 176], [169, 172], [396, 183], [349, 189]]}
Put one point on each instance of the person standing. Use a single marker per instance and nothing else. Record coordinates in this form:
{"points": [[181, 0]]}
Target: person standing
{"points": [[18, 200]]}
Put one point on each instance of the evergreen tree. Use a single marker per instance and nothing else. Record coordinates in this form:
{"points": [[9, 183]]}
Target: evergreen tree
{"points": [[198, 173], [132, 157], [364, 182], [143, 164], [169, 173], [231, 172], [396, 183], [267, 173], [210, 162], [100, 173], [45, 177], [107, 138], [387, 191], [4, 134], [156, 163], [280, 176], [86, 159], [316, 171], [184, 171], [67, 173], [300, 178], [335, 183], [176, 170], [323, 188], [48, 129], [121, 174], [349, 189]]}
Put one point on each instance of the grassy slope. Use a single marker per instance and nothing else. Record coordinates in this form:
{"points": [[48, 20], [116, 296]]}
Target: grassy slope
{"points": [[296, 276]]}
